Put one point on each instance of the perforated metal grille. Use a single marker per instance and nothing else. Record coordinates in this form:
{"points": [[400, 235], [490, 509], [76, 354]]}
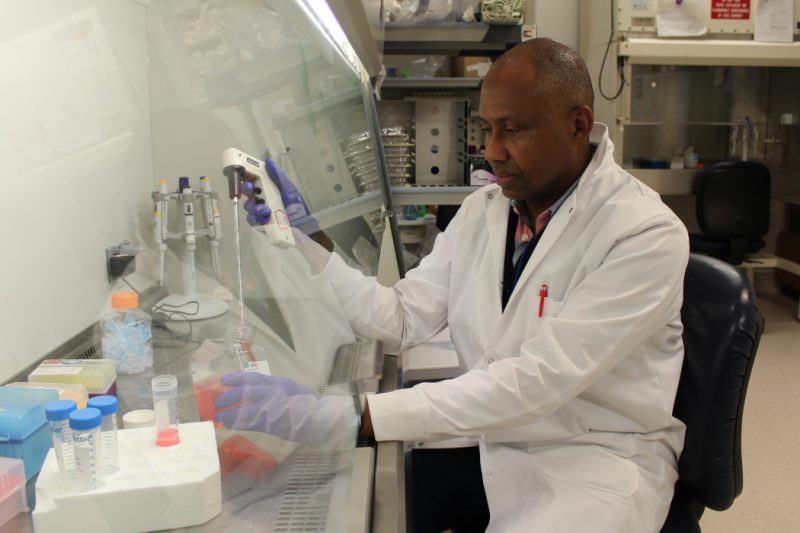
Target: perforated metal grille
{"points": [[306, 500], [342, 369]]}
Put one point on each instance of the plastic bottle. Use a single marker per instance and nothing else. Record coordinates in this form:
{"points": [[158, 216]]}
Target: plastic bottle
{"points": [[85, 426], [690, 158], [165, 405], [108, 405], [58, 415], [127, 336]]}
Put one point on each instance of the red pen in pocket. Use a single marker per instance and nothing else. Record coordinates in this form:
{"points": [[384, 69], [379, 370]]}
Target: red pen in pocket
{"points": [[542, 296]]}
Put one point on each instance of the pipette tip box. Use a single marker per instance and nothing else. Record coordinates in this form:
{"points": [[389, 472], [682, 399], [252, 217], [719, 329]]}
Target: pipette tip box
{"points": [[155, 488], [12, 489], [66, 391], [24, 431], [99, 376]]}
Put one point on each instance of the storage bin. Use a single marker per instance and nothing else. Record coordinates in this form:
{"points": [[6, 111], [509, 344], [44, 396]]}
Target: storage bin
{"points": [[24, 431]]}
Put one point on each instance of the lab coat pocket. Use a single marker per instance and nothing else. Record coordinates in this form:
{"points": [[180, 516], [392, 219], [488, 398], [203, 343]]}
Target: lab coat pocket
{"points": [[588, 466], [549, 307]]}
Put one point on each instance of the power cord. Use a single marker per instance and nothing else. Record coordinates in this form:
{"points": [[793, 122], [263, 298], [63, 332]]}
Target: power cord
{"points": [[620, 68], [160, 314]]}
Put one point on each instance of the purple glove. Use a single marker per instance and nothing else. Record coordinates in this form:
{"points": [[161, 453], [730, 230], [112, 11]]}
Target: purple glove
{"points": [[283, 408], [296, 209]]}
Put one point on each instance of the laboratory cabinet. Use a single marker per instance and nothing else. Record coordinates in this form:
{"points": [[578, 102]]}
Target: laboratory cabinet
{"points": [[136, 125], [688, 104]]}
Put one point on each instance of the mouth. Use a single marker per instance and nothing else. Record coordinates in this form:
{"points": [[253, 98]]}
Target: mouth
{"points": [[505, 179]]}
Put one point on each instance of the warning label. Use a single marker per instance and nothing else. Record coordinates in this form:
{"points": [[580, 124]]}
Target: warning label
{"points": [[730, 9]]}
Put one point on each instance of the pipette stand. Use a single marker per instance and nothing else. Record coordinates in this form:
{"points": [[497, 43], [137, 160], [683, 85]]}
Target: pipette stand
{"points": [[188, 304]]}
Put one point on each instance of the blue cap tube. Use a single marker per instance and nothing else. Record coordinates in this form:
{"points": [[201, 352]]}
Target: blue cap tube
{"points": [[107, 405], [59, 410]]}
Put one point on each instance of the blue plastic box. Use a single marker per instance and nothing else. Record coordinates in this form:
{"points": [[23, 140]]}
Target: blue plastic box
{"points": [[24, 431]]}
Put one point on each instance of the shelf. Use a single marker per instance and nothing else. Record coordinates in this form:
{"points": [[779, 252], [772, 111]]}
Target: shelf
{"points": [[666, 181], [478, 38], [432, 83], [349, 209], [427, 219], [719, 52], [431, 194], [712, 124], [435, 31]]}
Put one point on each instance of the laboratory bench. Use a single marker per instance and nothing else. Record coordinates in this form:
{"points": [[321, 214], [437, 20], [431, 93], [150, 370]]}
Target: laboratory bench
{"points": [[351, 489]]}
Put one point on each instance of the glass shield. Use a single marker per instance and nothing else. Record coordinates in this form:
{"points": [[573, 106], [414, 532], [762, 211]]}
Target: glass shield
{"points": [[268, 96]]}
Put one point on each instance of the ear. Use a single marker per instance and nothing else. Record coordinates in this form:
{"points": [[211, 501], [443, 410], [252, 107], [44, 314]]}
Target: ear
{"points": [[583, 122]]}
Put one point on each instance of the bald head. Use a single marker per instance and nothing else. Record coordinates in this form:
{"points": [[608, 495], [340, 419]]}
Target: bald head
{"points": [[559, 71]]}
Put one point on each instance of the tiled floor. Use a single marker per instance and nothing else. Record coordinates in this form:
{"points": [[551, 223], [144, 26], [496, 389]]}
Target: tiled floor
{"points": [[770, 500]]}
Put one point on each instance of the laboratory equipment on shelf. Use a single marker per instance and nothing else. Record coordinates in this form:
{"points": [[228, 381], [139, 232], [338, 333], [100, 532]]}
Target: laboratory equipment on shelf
{"points": [[58, 415], [85, 426], [188, 304], [108, 405], [165, 405], [126, 335]]}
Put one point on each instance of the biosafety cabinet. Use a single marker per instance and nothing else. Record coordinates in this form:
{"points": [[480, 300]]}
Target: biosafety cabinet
{"points": [[127, 128]]}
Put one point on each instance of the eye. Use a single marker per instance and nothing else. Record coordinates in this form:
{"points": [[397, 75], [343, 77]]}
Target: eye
{"points": [[510, 131]]}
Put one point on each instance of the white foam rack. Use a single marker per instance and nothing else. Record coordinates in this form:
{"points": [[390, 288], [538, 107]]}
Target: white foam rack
{"points": [[154, 489]]}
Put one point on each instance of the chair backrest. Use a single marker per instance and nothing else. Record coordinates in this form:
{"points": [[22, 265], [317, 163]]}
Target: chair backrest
{"points": [[733, 199], [722, 328]]}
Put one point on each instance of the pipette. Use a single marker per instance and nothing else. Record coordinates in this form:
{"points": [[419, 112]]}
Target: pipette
{"points": [[238, 166], [235, 176], [161, 215], [210, 201]]}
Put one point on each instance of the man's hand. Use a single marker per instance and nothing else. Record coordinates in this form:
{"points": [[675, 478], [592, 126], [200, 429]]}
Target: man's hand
{"points": [[285, 409], [296, 208]]}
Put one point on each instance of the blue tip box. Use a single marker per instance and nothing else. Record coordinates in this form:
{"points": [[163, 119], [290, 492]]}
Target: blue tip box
{"points": [[24, 431]]}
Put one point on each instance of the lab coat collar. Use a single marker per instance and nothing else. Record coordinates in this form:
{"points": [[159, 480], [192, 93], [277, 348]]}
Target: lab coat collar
{"points": [[602, 160]]}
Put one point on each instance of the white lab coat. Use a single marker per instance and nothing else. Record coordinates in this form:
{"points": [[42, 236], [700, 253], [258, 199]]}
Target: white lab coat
{"points": [[573, 410]]}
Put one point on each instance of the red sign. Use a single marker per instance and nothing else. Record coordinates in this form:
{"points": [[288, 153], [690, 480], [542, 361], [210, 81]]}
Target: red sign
{"points": [[730, 9]]}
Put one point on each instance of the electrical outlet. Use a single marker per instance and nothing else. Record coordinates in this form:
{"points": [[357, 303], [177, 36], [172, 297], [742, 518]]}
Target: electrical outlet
{"points": [[121, 260]]}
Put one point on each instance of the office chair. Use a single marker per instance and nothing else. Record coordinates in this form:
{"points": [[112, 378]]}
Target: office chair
{"points": [[722, 328], [732, 210]]}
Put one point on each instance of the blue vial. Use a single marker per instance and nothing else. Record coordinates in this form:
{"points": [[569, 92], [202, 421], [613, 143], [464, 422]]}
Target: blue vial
{"points": [[108, 405], [85, 426], [58, 416]]}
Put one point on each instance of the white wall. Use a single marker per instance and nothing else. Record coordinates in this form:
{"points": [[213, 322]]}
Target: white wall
{"points": [[75, 163], [554, 18]]}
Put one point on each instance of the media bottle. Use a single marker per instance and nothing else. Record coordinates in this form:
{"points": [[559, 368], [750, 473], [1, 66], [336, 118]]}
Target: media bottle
{"points": [[126, 335]]}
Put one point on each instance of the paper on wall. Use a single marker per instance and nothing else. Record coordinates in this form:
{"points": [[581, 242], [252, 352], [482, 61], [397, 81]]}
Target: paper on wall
{"points": [[774, 21], [682, 18]]}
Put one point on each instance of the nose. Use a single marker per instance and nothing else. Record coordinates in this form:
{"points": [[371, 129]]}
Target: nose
{"points": [[495, 148]]}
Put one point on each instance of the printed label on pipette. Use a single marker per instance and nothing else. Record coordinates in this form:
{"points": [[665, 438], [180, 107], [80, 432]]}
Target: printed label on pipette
{"points": [[257, 366]]}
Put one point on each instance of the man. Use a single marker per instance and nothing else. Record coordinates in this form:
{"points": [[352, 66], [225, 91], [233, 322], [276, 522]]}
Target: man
{"points": [[562, 286]]}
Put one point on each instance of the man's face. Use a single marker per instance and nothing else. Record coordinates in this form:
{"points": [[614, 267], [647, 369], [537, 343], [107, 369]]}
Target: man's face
{"points": [[530, 139]]}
